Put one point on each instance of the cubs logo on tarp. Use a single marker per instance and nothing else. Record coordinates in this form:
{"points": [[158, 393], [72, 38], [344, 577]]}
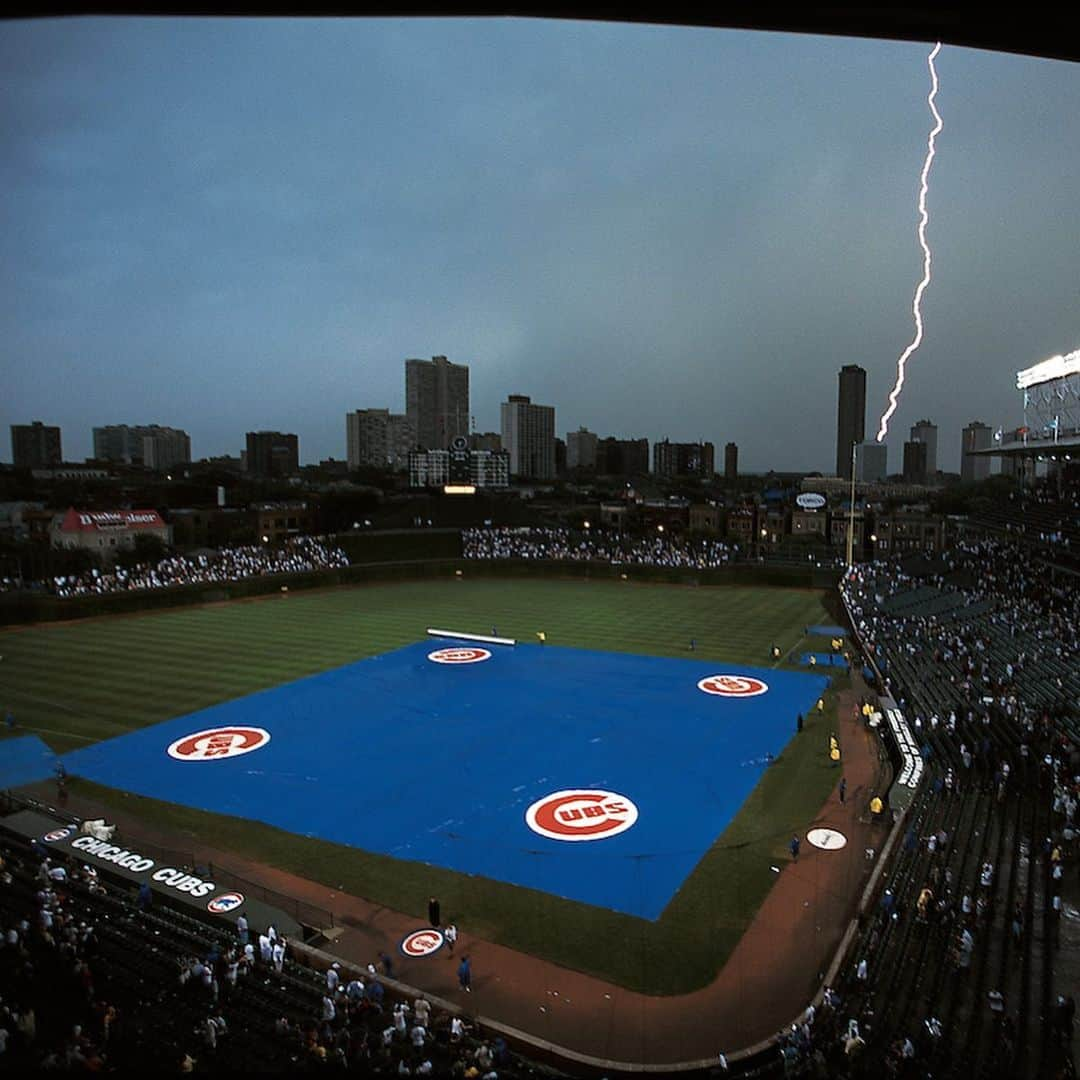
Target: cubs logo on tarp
{"points": [[459, 655], [581, 814], [422, 943], [217, 743], [226, 902], [827, 839], [733, 686], [59, 834]]}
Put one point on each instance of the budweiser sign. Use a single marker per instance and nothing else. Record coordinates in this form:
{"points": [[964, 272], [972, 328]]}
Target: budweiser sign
{"points": [[96, 520]]}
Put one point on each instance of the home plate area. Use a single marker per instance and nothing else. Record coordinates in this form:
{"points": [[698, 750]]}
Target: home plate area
{"points": [[599, 777]]}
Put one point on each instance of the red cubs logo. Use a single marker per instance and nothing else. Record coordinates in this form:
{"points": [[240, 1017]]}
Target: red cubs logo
{"points": [[733, 686], [58, 834], [459, 655], [422, 943], [226, 902], [581, 814], [217, 743]]}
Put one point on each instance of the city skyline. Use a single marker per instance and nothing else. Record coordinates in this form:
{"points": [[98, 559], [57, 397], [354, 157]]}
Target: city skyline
{"points": [[238, 225], [356, 458]]}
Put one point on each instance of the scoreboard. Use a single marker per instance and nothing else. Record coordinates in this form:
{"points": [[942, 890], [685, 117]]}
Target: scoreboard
{"points": [[460, 461]]}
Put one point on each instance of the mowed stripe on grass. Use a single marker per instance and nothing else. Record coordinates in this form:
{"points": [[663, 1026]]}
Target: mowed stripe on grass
{"points": [[98, 678]]}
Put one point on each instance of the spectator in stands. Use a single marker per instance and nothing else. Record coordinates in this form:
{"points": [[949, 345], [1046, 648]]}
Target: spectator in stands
{"points": [[298, 555], [594, 546]]}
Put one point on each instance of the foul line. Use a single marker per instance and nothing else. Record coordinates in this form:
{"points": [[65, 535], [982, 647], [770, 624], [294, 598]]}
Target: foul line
{"points": [[62, 734], [784, 658]]}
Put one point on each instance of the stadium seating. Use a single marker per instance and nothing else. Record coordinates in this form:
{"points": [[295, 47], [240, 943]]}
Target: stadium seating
{"points": [[983, 660], [136, 956]]}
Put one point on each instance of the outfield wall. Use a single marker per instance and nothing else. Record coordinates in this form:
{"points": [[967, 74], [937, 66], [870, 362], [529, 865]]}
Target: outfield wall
{"points": [[32, 607]]}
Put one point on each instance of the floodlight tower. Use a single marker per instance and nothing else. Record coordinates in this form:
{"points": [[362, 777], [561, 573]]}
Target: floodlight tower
{"points": [[1051, 397]]}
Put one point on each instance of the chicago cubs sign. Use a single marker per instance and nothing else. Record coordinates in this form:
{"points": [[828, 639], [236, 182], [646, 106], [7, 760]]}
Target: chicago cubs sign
{"points": [[422, 943], [581, 814], [213, 744], [733, 686], [461, 654], [59, 834]]}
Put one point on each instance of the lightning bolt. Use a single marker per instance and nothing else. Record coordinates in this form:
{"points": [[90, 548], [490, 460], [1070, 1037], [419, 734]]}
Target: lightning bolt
{"points": [[923, 218]]}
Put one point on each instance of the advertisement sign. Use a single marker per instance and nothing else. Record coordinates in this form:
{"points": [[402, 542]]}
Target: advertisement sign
{"points": [[136, 867]]}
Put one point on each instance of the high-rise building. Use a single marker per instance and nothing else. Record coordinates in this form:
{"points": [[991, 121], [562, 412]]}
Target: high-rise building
{"points": [[731, 463], [35, 446], [850, 416], [165, 449], [528, 434], [622, 457], [977, 436], [581, 449], [126, 444], [915, 455], [871, 463], [437, 401], [485, 440], [560, 456], [272, 453], [114, 442], [926, 432], [683, 459], [378, 439]]}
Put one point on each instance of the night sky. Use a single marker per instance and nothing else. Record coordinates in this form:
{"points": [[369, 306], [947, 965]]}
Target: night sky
{"points": [[228, 225]]}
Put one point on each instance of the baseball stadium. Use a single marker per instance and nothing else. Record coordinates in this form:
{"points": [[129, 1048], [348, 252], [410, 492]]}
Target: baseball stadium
{"points": [[661, 809], [489, 754], [389, 777]]}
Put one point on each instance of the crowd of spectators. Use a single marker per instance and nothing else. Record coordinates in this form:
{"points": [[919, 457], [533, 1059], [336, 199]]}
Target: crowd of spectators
{"points": [[195, 998], [993, 627], [304, 553], [596, 545], [980, 651], [1042, 516]]}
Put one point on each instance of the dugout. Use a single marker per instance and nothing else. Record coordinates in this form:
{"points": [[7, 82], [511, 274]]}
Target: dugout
{"points": [[192, 890], [903, 753]]}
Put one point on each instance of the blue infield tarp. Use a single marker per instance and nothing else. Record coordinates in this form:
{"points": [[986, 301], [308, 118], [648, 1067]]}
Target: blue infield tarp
{"points": [[827, 631], [438, 763], [25, 760]]}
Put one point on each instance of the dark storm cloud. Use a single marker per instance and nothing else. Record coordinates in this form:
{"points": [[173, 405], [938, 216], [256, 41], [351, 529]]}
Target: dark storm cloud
{"points": [[661, 231]]}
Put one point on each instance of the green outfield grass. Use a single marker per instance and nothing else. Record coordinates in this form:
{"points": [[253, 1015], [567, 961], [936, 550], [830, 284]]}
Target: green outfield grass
{"points": [[77, 683]]}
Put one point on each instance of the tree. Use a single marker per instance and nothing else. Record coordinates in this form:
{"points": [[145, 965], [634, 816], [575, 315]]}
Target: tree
{"points": [[146, 549]]}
